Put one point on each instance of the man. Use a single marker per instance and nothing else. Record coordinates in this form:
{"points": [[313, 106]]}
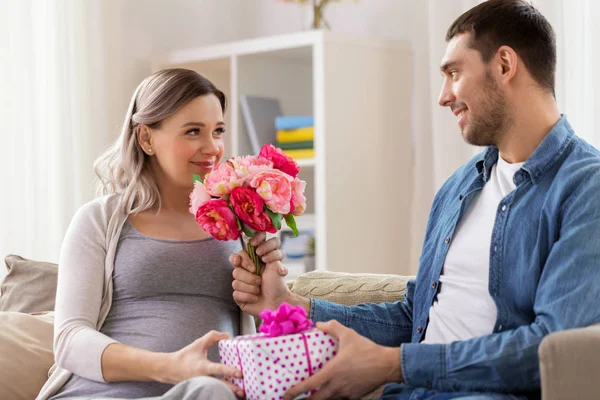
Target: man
{"points": [[512, 248]]}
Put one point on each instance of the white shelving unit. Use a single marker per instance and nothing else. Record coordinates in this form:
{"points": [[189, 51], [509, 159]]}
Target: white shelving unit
{"points": [[358, 90]]}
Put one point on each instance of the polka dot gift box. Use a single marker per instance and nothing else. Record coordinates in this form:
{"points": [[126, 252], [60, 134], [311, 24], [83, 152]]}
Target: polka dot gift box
{"points": [[287, 351]]}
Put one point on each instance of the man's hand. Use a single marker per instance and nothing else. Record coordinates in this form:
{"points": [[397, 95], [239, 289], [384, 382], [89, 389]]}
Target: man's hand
{"points": [[268, 250], [255, 293], [360, 367]]}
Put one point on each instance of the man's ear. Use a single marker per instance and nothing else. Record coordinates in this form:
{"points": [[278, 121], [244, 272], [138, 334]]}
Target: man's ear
{"points": [[144, 138], [507, 63]]}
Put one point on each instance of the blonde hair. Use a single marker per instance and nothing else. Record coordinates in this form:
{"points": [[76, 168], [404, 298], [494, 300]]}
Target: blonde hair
{"points": [[124, 167]]}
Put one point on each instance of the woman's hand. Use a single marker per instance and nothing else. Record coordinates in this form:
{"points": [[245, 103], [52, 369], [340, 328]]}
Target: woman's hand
{"points": [[268, 250], [192, 361]]}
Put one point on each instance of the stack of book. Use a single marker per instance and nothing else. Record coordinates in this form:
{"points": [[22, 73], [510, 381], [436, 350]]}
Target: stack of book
{"points": [[295, 136]]}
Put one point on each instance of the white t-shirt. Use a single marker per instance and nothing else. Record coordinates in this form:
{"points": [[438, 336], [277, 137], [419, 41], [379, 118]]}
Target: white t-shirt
{"points": [[464, 308]]}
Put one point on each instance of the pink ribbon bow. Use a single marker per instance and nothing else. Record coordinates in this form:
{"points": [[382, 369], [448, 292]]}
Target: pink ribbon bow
{"points": [[286, 320]]}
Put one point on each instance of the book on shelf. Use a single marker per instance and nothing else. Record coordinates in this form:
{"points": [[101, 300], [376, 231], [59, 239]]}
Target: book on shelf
{"points": [[288, 122], [309, 144], [300, 153], [295, 135], [259, 117]]}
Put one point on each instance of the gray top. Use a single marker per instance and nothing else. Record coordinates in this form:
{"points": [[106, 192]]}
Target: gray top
{"points": [[166, 295]]}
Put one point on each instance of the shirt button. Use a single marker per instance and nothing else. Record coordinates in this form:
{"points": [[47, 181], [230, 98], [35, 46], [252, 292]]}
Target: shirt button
{"points": [[504, 207], [500, 327], [419, 329], [460, 197], [434, 285], [447, 240], [495, 249]]}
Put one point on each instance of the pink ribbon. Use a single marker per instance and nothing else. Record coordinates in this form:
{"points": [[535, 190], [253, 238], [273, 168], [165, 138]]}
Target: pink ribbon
{"points": [[286, 320]]}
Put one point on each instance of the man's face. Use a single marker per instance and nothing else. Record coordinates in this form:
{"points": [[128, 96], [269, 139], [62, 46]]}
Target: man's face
{"points": [[472, 94]]}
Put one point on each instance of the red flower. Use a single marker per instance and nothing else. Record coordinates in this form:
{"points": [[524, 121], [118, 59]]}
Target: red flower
{"points": [[281, 161], [249, 207], [216, 218]]}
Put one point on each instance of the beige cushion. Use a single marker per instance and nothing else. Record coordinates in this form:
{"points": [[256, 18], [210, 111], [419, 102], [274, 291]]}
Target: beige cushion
{"points": [[29, 287], [350, 289], [26, 353], [569, 364]]}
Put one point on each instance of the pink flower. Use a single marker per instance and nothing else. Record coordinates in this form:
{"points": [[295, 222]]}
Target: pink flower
{"points": [[247, 167], [198, 196], [281, 161], [298, 202], [222, 180], [286, 320], [275, 188], [249, 207], [216, 218]]}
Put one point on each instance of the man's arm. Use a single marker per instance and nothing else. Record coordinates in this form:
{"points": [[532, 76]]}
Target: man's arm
{"points": [[387, 324]]}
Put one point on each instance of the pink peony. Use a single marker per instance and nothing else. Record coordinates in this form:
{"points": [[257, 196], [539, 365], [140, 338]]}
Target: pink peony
{"points": [[298, 202], [249, 207], [286, 320], [222, 180], [247, 167], [275, 188], [216, 218], [281, 161], [198, 196]]}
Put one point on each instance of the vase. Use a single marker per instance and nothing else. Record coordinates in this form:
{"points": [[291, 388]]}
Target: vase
{"points": [[318, 8], [309, 263]]}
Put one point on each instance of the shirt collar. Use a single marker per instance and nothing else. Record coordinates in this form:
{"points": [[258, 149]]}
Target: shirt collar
{"points": [[542, 159]]}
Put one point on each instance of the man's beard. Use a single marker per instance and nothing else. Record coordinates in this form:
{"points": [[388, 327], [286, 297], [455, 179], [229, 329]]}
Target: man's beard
{"points": [[493, 119]]}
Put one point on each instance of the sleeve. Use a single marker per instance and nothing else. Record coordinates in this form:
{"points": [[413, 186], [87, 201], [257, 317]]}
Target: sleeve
{"points": [[387, 324], [78, 346]]}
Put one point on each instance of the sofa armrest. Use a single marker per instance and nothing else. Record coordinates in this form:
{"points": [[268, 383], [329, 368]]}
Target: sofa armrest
{"points": [[349, 289], [569, 364]]}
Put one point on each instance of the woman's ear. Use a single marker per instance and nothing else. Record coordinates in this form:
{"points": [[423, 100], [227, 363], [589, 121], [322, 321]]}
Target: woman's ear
{"points": [[144, 138]]}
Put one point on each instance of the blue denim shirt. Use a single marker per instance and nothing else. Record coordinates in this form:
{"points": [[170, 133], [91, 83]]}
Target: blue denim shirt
{"points": [[544, 271]]}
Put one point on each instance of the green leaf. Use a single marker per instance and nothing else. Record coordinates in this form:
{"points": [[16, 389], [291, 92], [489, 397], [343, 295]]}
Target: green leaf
{"points": [[249, 232], [291, 223], [275, 218], [197, 178]]}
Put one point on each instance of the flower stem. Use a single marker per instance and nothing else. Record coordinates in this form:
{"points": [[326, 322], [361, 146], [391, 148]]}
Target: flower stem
{"points": [[251, 250]]}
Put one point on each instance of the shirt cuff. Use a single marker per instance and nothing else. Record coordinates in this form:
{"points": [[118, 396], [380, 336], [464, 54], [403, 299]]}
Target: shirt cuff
{"points": [[423, 365], [323, 311]]}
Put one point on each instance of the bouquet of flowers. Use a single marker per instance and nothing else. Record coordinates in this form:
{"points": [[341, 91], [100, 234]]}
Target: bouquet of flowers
{"points": [[249, 194]]}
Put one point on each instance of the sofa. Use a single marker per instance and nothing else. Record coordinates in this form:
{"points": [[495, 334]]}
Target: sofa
{"points": [[569, 360]]}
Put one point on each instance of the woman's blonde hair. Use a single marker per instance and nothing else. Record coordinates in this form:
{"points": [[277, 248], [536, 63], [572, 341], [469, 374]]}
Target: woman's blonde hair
{"points": [[124, 167]]}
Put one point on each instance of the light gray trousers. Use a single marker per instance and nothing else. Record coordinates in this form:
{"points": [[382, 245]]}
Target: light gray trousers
{"points": [[198, 388]]}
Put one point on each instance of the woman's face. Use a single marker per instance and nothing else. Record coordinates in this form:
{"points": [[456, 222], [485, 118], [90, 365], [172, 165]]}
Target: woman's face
{"points": [[189, 142]]}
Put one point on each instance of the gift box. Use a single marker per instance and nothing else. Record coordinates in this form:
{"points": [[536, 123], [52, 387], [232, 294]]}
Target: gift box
{"points": [[272, 364]]}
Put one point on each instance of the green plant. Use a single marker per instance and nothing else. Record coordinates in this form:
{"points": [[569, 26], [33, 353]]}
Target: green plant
{"points": [[310, 246]]}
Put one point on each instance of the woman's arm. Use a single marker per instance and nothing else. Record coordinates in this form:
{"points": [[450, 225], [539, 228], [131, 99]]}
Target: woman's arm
{"points": [[78, 346], [124, 363]]}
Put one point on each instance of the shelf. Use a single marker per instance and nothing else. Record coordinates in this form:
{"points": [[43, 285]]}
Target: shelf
{"points": [[306, 162]]}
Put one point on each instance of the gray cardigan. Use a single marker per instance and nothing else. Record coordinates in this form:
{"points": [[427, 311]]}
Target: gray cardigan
{"points": [[84, 293]]}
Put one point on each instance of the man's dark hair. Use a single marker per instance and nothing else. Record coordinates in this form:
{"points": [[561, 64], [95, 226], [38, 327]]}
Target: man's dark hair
{"points": [[514, 23]]}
